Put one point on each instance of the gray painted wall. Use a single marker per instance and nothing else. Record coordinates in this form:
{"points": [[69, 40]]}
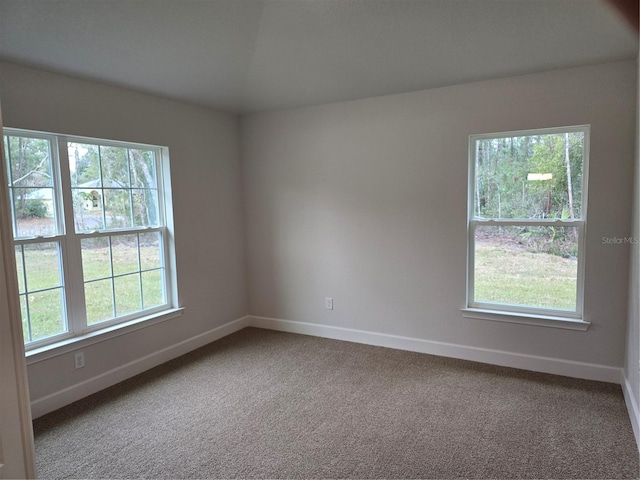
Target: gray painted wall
{"points": [[632, 360], [205, 172], [365, 202]]}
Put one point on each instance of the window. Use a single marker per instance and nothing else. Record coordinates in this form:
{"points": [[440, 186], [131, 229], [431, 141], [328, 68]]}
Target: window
{"points": [[90, 232], [526, 222]]}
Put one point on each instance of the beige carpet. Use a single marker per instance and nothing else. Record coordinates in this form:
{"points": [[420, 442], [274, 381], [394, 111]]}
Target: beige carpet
{"points": [[275, 405]]}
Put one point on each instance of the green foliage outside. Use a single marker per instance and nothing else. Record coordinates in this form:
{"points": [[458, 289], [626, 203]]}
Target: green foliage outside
{"points": [[125, 184], [123, 180], [534, 177], [28, 170], [34, 209], [560, 241], [504, 189]]}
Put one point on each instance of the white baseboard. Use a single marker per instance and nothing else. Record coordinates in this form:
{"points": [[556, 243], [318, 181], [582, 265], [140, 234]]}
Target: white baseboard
{"points": [[59, 399], [555, 366], [633, 408]]}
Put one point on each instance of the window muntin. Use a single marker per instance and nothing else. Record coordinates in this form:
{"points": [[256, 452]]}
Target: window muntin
{"points": [[107, 239], [32, 185], [122, 274], [529, 176], [41, 290], [527, 214], [113, 187]]}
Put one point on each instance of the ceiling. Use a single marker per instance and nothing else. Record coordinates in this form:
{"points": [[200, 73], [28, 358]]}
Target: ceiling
{"points": [[256, 55]]}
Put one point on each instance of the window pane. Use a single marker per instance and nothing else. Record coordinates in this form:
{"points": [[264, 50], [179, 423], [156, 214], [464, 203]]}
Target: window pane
{"points": [[42, 264], [99, 301], [6, 150], [19, 268], [526, 266], [84, 164], [87, 209], [153, 288], [41, 290], [150, 251], [46, 313], [127, 290], [115, 167], [143, 168], [124, 251], [26, 331], [34, 212], [30, 162], [96, 258], [86, 180], [529, 177], [30, 170], [145, 208], [117, 208]]}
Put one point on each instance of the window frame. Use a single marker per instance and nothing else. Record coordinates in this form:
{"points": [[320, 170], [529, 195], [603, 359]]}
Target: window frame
{"points": [[69, 242], [569, 319]]}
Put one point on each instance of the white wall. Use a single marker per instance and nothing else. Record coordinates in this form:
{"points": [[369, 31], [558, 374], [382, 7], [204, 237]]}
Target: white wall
{"points": [[205, 173], [365, 202]]}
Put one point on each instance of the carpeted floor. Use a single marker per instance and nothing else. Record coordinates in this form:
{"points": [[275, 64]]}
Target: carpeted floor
{"points": [[263, 404]]}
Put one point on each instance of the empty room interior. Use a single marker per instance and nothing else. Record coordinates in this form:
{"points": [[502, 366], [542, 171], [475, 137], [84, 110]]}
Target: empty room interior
{"points": [[320, 239]]}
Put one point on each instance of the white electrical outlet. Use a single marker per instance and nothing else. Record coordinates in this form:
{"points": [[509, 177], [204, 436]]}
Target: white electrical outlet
{"points": [[78, 359], [328, 303]]}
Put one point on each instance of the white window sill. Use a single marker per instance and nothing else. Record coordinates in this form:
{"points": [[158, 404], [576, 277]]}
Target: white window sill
{"points": [[71, 344], [526, 319]]}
